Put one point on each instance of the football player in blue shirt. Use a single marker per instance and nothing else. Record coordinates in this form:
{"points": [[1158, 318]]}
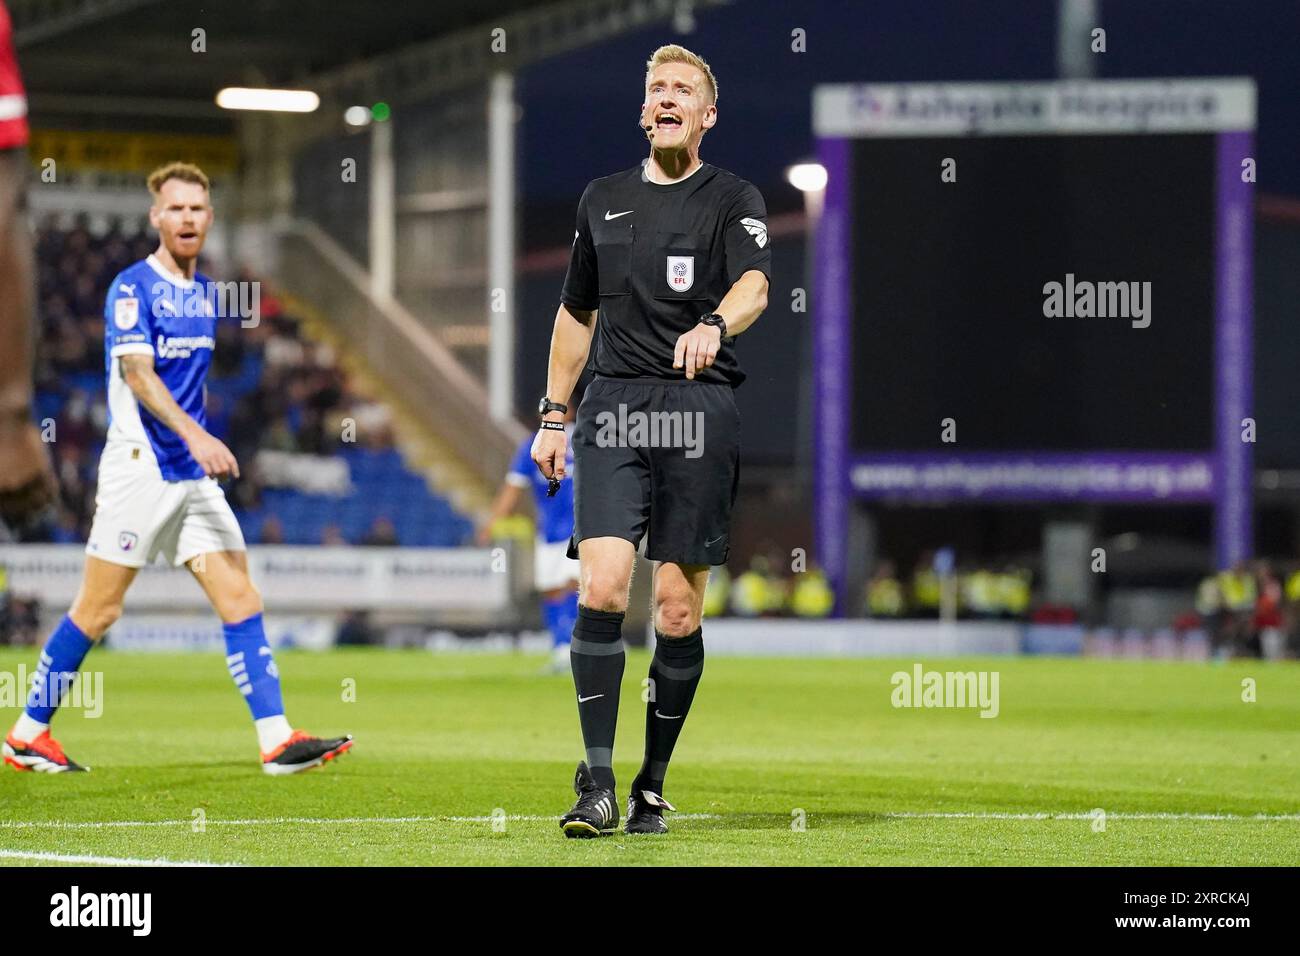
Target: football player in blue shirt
{"points": [[555, 574], [158, 491]]}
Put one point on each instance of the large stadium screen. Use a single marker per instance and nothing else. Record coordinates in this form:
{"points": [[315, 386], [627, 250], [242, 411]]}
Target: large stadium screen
{"points": [[973, 281], [1035, 292]]}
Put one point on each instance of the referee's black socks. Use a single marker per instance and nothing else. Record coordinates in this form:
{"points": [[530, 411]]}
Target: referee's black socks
{"points": [[675, 672], [597, 658]]}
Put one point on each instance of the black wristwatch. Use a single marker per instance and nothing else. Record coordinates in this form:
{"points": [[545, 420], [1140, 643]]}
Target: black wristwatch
{"points": [[546, 405], [714, 319]]}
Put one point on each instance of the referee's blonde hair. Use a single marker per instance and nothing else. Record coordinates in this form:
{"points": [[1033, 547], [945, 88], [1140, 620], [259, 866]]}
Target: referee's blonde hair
{"points": [[672, 53]]}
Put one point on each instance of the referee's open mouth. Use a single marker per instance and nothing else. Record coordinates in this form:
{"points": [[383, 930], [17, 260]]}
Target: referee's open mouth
{"points": [[668, 121]]}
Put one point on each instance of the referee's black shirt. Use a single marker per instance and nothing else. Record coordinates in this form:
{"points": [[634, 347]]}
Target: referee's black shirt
{"points": [[654, 258]]}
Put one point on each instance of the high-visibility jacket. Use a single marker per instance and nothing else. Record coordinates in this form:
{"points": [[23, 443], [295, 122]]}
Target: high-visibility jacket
{"points": [[884, 597], [926, 590], [1238, 591], [1208, 599], [1014, 593], [812, 595], [749, 594], [981, 592], [716, 592]]}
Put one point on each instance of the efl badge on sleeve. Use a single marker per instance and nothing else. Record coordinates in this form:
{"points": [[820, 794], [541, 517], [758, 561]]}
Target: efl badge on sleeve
{"points": [[126, 540], [126, 313], [681, 273]]}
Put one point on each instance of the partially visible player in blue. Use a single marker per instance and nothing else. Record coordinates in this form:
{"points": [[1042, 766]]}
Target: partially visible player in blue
{"points": [[555, 574], [158, 491]]}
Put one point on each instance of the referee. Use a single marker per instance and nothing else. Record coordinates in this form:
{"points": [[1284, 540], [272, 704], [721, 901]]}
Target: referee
{"points": [[673, 253]]}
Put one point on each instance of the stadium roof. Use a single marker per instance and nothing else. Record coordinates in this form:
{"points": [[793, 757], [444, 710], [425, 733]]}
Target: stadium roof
{"points": [[101, 54], [89, 59]]}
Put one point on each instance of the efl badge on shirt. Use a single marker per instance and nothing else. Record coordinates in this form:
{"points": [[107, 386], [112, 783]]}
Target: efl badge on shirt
{"points": [[681, 273], [126, 313], [126, 540]]}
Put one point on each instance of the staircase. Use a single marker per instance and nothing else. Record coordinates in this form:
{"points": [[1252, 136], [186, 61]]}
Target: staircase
{"points": [[440, 410]]}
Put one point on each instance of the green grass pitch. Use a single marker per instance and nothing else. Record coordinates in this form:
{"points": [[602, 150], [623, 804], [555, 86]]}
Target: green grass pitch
{"points": [[1185, 770]]}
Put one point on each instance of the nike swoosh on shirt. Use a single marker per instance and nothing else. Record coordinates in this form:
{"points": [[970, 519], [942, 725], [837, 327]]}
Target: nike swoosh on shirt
{"points": [[609, 216], [668, 716], [583, 700]]}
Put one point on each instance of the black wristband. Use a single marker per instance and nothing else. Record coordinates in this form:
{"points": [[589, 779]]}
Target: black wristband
{"points": [[553, 426], [717, 321]]}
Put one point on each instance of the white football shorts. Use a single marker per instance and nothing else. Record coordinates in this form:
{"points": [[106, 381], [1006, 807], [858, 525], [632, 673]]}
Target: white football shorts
{"points": [[552, 566], [138, 515]]}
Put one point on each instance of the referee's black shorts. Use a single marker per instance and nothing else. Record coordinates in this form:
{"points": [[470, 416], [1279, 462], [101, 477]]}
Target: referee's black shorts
{"points": [[660, 457]]}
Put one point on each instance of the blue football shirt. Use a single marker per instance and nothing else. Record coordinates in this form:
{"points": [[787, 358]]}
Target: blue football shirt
{"points": [[554, 515], [149, 311]]}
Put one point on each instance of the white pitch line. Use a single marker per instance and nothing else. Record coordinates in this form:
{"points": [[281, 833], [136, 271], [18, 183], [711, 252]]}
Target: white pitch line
{"points": [[95, 860], [1236, 817], [675, 816], [293, 821], [271, 821], [536, 818]]}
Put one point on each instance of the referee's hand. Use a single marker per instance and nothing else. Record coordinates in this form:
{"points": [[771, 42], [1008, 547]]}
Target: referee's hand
{"points": [[697, 349], [27, 484], [549, 450]]}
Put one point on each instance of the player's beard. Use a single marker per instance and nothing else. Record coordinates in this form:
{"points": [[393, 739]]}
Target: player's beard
{"points": [[182, 252]]}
